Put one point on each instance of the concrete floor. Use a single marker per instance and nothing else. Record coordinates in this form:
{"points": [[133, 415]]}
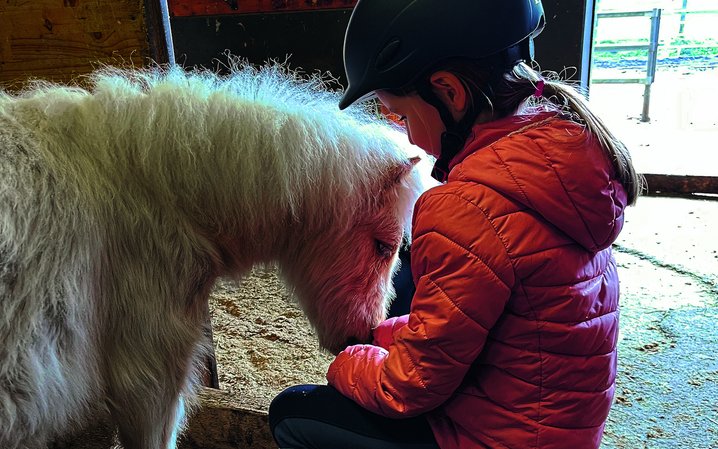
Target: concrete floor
{"points": [[667, 387]]}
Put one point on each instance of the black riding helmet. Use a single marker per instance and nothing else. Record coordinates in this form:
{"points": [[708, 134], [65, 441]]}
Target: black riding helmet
{"points": [[389, 43]]}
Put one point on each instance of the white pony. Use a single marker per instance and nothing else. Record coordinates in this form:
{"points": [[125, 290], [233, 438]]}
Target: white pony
{"points": [[122, 204]]}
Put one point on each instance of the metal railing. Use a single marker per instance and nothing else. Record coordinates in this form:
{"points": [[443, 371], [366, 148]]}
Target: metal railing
{"points": [[651, 48]]}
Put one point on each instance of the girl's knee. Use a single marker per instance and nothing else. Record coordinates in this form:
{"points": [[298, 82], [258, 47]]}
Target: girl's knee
{"points": [[290, 402]]}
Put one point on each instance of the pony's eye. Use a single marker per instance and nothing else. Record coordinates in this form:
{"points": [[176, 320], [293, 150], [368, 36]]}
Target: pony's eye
{"points": [[384, 250]]}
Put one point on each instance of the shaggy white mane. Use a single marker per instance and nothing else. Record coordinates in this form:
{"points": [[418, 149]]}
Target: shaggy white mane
{"points": [[186, 133]]}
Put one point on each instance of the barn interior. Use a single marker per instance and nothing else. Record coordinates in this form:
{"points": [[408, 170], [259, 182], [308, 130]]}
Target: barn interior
{"points": [[667, 253]]}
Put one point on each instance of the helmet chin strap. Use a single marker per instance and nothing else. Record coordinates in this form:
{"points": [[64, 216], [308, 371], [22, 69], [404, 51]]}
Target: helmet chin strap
{"points": [[454, 138], [455, 134]]}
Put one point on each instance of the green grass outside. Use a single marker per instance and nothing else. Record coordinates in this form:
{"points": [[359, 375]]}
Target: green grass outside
{"points": [[704, 48]]}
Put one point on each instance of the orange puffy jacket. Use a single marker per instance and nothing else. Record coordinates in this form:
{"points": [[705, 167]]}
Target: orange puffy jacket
{"points": [[511, 339]]}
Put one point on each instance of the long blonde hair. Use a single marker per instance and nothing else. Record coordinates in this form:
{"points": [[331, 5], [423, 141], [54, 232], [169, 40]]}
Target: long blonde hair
{"points": [[566, 98]]}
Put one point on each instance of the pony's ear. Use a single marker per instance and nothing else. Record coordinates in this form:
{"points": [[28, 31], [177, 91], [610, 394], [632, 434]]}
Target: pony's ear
{"points": [[397, 172]]}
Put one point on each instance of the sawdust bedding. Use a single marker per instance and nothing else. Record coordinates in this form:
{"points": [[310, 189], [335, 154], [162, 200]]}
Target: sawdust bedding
{"points": [[263, 342]]}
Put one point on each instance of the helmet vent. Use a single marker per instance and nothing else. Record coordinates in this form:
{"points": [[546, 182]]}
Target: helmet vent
{"points": [[387, 54]]}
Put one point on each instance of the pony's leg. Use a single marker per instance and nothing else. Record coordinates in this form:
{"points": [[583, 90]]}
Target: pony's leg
{"points": [[149, 372], [157, 428]]}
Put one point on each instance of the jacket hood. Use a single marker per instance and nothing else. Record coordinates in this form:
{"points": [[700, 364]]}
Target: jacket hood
{"points": [[552, 166]]}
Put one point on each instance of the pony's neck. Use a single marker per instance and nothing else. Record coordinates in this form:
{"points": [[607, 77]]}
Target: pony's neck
{"points": [[208, 165], [237, 198], [255, 184]]}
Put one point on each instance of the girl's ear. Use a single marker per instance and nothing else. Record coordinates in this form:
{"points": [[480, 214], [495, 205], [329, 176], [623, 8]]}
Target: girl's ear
{"points": [[451, 92]]}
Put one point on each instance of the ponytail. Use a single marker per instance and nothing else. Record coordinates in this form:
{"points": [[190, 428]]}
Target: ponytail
{"points": [[519, 85]]}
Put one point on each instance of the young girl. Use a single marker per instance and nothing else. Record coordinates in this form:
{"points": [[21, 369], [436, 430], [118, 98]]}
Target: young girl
{"points": [[511, 337]]}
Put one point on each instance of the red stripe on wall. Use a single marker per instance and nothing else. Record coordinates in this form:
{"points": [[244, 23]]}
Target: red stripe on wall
{"points": [[186, 8]]}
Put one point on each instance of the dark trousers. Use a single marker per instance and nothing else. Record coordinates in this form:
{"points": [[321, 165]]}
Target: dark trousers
{"points": [[403, 285], [319, 417]]}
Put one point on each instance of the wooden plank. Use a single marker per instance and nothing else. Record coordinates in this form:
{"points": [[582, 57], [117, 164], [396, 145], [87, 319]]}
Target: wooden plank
{"points": [[187, 8], [679, 184], [219, 423], [61, 40], [222, 423]]}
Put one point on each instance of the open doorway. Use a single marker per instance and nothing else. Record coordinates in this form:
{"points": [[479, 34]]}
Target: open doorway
{"points": [[653, 79], [654, 74]]}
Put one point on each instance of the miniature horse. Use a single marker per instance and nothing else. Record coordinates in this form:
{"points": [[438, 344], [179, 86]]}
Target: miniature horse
{"points": [[123, 202]]}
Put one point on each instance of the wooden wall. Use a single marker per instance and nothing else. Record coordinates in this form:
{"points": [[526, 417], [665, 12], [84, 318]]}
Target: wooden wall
{"points": [[62, 39]]}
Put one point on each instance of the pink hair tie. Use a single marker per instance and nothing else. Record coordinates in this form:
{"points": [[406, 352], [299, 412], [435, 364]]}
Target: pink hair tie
{"points": [[539, 89]]}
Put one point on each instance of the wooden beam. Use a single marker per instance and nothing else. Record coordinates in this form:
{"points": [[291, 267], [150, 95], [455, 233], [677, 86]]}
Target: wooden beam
{"points": [[680, 184], [219, 423], [187, 8]]}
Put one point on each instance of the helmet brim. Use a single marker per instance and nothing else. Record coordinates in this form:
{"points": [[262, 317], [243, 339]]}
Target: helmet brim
{"points": [[352, 96]]}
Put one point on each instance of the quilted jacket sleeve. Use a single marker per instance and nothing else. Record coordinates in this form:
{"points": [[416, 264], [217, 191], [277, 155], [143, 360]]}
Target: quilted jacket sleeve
{"points": [[383, 334], [463, 280]]}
